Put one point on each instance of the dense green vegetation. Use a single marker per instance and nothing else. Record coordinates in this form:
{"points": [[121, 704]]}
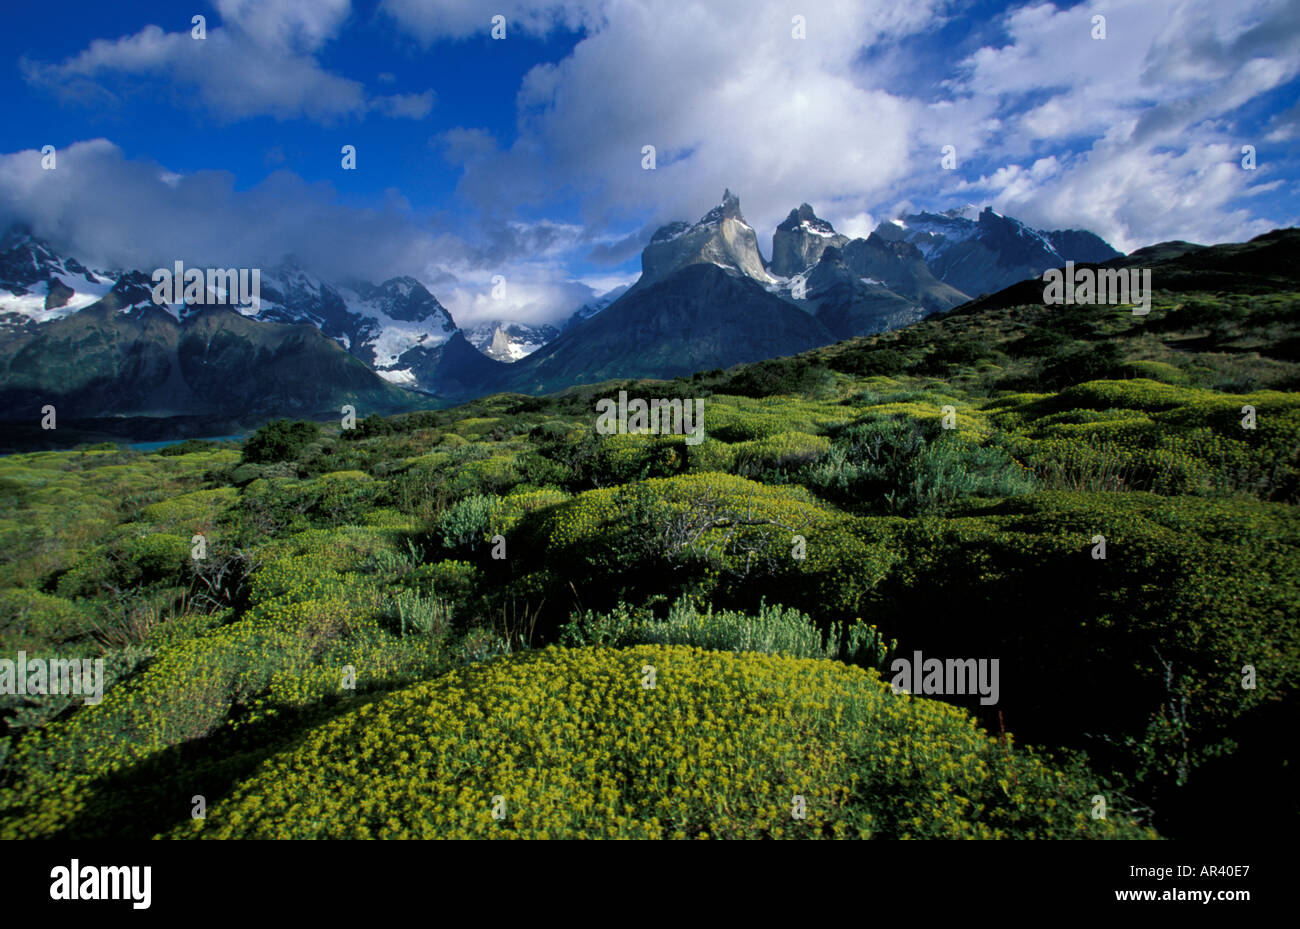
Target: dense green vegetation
{"points": [[392, 625]]}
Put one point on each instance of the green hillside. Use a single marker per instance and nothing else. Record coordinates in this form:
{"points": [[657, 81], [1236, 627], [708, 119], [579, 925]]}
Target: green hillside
{"points": [[367, 558]]}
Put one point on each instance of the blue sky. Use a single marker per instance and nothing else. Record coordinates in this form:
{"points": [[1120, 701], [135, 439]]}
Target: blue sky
{"points": [[523, 156]]}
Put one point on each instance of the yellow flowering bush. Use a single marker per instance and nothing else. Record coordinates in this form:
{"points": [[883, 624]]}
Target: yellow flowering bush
{"points": [[657, 742]]}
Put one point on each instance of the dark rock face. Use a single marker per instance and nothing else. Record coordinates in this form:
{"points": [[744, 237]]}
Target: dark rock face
{"points": [[695, 318], [849, 306], [799, 241]]}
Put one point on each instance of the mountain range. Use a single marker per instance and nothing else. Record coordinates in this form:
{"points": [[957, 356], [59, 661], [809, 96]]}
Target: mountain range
{"points": [[93, 342]]}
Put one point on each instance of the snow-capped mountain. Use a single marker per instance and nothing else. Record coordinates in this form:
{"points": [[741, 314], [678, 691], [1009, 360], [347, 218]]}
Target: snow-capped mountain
{"points": [[38, 285], [985, 252], [96, 346], [391, 326], [507, 341], [380, 324], [853, 286]]}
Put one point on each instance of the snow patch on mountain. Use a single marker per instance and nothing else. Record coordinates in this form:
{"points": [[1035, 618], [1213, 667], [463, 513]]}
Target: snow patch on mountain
{"points": [[402, 377], [509, 341]]}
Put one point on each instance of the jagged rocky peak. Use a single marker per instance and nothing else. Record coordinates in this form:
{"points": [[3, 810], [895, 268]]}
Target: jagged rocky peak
{"points": [[729, 208], [804, 216], [507, 341], [38, 284], [721, 237], [982, 251], [831, 255], [407, 300], [798, 242]]}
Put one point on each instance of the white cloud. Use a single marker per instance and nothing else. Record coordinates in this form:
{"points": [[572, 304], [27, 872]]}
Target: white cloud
{"points": [[286, 24], [459, 19], [1134, 137], [1134, 196], [261, 59], [404, 106], [535, 300], [858, 226], [1148, 112], [728, 98]]}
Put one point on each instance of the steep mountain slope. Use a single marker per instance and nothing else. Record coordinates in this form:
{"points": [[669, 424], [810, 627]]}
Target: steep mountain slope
{"points": [[854, 286], [588, 310], [849, 305], [901, 267], [378, 324], [697, 317], [38, 285]]}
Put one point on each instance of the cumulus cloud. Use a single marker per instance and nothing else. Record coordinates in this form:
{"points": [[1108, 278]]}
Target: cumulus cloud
{"points": [[727, 96], [730, 99], [1155, 148], [1134, 196], [261, 59], [532, 302]]}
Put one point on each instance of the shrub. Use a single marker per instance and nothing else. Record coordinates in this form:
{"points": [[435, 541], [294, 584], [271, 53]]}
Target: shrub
{"points": [[30, 619], [1157, 371], [1207, 586], [787, 451], [1038, 342], [280, 440], [371, 427], [715, 536], [871, 362], [188, 447], [773, 630], [467, 522], [795, 376], [902, 465], [427, 615], [341, 497], [954, 353], [716, 748], [1075, 365]]}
